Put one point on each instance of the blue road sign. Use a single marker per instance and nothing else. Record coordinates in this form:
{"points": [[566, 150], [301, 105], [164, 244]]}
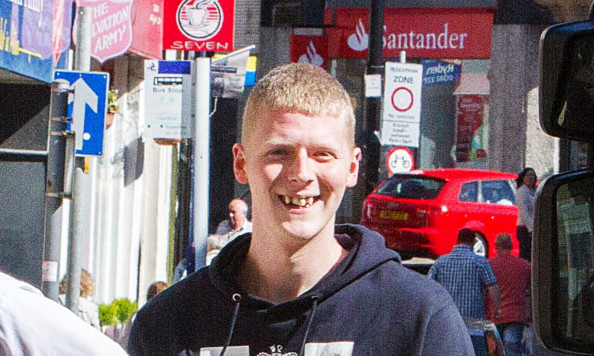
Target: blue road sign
{"points": [[87, 108]]}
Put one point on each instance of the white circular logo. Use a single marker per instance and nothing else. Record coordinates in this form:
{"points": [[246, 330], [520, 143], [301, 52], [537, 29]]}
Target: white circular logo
{"points": [[199, 19], [400, 159]]}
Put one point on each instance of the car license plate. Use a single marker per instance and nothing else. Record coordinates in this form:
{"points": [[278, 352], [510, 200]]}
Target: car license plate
{"points": [[394, 215]]}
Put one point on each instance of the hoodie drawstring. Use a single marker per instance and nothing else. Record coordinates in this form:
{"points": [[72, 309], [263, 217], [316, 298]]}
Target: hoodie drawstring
{"points": [[237, 300], [314, 306]]}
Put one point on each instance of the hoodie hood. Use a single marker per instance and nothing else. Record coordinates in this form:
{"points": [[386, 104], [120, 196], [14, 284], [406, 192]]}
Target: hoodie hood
{"points": [[366, 252]]}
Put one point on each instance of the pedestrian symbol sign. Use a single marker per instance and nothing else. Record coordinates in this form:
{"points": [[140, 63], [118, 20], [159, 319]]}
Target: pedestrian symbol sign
{"points": [[87, 108]]}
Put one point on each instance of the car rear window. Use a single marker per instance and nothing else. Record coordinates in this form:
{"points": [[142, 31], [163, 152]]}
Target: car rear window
{"points": [[412, 187]]}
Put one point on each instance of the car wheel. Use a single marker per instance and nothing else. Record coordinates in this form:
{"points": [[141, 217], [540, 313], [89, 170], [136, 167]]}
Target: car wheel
{"points": [[480, 246]]}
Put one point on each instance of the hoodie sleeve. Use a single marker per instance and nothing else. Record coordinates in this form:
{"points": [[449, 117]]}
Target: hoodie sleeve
{"points": [[446, 334]]}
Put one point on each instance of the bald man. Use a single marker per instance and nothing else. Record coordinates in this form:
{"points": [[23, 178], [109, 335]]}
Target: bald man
{"points": [[228, 229]]}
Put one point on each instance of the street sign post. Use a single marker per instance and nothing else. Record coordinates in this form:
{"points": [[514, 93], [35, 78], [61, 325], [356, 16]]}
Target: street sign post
{"points": [[402, 104], [87, 108]]}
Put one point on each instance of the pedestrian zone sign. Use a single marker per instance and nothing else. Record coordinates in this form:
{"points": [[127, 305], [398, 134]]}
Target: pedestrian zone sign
{"points": [[87, 107], [402, 104]]}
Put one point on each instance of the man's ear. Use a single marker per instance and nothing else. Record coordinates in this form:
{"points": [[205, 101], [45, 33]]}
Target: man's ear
{"points": [[354, 168], [239, 163]]}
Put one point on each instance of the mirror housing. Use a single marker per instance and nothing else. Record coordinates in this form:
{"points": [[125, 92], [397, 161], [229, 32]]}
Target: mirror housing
{"points": [[563, 262], [566, 88]]}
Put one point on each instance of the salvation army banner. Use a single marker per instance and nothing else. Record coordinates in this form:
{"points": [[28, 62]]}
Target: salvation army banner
{"points": [[422, 33], [111, 33], [34, 36], [309, 49], [199, 25]]}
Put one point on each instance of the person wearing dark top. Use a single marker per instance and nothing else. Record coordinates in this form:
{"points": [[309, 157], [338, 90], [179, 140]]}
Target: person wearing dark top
{"points": [[298, 284]]}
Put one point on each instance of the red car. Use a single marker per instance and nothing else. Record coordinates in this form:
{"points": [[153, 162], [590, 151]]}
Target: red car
{"points": [[421, 212]]}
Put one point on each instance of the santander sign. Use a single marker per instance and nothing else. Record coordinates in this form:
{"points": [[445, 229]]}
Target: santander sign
{"points": [[359, 41], [421, 35]]}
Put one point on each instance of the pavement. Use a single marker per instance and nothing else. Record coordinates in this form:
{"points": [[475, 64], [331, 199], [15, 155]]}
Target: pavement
{"points": [[420, 265]]}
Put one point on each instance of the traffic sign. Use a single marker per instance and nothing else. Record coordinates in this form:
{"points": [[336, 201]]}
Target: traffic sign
{"points": [[400, 159], [87, 108], [402, 104]]}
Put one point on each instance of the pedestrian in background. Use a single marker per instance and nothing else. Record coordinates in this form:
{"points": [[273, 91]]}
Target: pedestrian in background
{"points": [[467, 276], [513, 278], [228, 229], [33, 325], [87, 310], [153, 290], [525, 200], [299, 284]]}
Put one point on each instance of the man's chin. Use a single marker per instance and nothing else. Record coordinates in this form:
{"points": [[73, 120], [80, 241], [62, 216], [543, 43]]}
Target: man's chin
{"points": [[302, 231]]}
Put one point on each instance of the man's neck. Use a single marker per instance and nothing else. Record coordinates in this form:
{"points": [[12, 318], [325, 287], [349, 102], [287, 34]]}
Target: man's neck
{"points": [[503, 252], [281, 273]]}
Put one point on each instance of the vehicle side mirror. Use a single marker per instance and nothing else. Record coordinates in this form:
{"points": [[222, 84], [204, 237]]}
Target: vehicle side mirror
{"points": [[566, 89], [563, 262]]}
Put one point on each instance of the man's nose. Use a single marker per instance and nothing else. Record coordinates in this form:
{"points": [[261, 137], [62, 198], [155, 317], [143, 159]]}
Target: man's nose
{"points": [[301, 168]]}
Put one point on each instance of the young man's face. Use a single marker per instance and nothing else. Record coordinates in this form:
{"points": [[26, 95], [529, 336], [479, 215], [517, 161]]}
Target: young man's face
{"points": [[298, 167]]}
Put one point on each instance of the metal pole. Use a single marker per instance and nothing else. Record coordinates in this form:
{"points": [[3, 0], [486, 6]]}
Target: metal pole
{"points": [[201, 172], [82, 62], [375, 65], [54, 188]]}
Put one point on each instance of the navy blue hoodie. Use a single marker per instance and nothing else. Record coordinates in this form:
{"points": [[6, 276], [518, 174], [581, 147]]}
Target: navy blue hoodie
{"points": [[368, 305]]}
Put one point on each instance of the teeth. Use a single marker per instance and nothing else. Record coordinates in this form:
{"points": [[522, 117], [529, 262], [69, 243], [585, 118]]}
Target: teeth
{"points": [[302, 202]]}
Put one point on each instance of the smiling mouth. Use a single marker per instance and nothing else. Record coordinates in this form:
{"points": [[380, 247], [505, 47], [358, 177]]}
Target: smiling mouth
{"points": [[299, 202]]}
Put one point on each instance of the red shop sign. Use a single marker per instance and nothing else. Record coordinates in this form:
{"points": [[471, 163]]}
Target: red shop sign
{"points": [[147, 28], [199, 25], [422, 33], [309, 49]]}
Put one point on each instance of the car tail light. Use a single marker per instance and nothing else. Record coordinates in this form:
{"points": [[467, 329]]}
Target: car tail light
{"points": [[425, 213]]}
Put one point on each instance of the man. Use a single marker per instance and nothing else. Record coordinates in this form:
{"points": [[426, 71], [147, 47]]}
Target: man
{"points": [[229, 229], [298, 284], [466, 276], [513, 277], [31, 324]]}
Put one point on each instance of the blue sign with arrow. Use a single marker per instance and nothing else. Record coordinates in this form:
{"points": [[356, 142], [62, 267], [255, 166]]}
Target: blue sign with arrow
{"points": [[87, 108]]}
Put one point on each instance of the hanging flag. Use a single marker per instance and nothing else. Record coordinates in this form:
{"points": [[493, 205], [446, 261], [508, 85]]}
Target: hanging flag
{"points": [[228, 73]]}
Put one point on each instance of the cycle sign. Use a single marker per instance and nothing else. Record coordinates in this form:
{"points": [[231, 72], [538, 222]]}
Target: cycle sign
{"points": [[399, 160]]}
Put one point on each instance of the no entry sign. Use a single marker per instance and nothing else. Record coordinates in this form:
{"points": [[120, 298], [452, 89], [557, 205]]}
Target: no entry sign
{"points": [[402, 104]]}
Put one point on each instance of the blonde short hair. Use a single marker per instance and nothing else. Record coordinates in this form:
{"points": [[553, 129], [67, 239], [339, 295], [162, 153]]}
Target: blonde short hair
{"points": [[299, 88]]}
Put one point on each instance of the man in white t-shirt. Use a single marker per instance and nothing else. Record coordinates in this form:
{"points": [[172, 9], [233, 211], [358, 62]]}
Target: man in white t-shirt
{"points": [[31, 324], [236, 225]]}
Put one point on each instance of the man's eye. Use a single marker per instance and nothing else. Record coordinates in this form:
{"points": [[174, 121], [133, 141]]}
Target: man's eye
{"points": [[324, 155], [277, 152]]}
